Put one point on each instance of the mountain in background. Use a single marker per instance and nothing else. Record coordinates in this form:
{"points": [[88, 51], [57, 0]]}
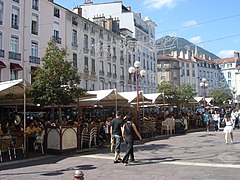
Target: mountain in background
{"points": [[167, 44]]}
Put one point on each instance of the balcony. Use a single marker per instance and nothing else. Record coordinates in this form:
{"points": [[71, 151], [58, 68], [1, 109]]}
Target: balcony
{"points": [[57, 39], [109, 74], [122, 77], [35, 7], [14, 56], [101, 73], [2, 53], [85, 50], [74, 44], [108, 58], [74, 22], [33, 59], [114, 58], [34, 32], [114, 75], [14, 26], [92, 52]]}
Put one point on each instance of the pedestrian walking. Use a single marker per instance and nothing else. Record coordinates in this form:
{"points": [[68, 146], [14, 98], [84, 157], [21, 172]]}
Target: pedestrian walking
{"points": [[228, 129], [116, 135], [216, 119], [129, 130], [206, 118]]}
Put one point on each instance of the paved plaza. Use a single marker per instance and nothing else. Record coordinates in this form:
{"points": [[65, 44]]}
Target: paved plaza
{"points": [[196, 155]]}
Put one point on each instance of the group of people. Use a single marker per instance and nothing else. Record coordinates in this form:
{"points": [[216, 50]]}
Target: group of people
{"points": [[123, 127], [228, 119]]}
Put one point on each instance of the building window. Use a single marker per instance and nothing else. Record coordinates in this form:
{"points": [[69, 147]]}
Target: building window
{"points": [[102, 85], [15, 18], [56, 12], [122, 71], [109, 68], [85, 43], [114, 69], [1, 41], [1, 12], [14, 44], [229, 83], [93, 66], [229, 75], [85, 63], [34, 49], [35, 4], [74, 60], [34, 27], [56, 33], [13, 74], [122, 88], [74, 21], [85, 26], [102, 65], [74, 37]]}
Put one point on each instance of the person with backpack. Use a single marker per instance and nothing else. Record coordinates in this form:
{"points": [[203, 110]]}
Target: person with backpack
{"points": [[128, 133]]}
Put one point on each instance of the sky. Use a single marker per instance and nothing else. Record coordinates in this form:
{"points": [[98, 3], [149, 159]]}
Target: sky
{"points": [[211, 24]]}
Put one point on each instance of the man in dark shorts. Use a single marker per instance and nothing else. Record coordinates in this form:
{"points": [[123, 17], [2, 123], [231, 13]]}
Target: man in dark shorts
{"points": [[116, 134]]}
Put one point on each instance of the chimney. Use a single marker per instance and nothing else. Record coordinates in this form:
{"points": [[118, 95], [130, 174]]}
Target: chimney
{"points": [[175, 54], [129, 8], [78, 11], [204, 56], [187, 55], [236, 55], [109, 24], [181, 55], [139, 15]]}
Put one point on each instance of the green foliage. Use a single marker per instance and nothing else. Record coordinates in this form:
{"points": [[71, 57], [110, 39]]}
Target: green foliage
{"points": [[175, 95], [56, 82], [220, 95]]}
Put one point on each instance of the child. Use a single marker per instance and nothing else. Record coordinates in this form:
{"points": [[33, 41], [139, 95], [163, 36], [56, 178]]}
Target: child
{"points": [[228, 129]]}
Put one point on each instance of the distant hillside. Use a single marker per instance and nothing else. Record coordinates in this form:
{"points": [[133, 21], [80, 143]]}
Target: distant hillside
{"points": [[167, 44]]}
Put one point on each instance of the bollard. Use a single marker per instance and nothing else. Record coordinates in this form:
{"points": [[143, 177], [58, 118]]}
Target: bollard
{"points": [[78, 175]]}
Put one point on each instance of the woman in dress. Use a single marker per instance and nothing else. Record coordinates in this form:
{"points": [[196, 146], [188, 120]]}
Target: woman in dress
{"points": [[228, 129]]}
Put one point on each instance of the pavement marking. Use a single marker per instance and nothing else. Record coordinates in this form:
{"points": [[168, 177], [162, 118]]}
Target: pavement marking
{"points": [[171, 162]]}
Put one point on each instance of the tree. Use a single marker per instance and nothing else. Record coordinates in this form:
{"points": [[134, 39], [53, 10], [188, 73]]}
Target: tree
{"points": [[56, 82], [220, 95], [177, 95]]}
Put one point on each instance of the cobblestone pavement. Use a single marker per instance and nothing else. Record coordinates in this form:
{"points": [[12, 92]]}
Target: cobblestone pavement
{"points": [[197, 155]]}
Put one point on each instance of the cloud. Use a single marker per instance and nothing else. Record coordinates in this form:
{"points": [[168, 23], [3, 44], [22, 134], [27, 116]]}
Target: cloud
{"points": [[226, 53], [189, 23], [196, 39], [158, 4]]}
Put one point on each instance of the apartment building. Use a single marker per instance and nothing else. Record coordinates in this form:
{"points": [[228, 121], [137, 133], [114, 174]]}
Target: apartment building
{"points": [[229, 78], [96, 51], [184, 68], [138, 45]]}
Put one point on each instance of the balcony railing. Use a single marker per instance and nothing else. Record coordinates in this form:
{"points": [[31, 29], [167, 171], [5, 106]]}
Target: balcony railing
{"points": [[57, 39], [85, 50], [14, 55], [92, 52], [33, 59], [35, 7], [114, 58], [2, 53], [122, 77], [101, 73], [15, 26], [114, 75], [109, 74]]}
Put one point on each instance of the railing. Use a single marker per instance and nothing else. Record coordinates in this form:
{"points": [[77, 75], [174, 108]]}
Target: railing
{"points": [[33, 59], [14, 55], [57, 39], [1, 53]]}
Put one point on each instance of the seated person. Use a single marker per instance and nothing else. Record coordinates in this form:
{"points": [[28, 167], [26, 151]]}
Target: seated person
{"points": [[31, 131]]}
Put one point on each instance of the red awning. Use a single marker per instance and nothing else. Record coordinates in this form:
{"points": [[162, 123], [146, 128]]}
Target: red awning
{"points": [[16, 66], [2, 65]]}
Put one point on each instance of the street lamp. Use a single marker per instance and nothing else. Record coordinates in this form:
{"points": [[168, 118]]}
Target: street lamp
{"points": [[234, 91], [204, 85], [134, 71]]}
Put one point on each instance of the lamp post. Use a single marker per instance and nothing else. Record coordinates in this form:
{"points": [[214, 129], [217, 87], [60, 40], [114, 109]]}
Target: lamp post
{"points": [[134, 71], [204, 85], [234, 91]]}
